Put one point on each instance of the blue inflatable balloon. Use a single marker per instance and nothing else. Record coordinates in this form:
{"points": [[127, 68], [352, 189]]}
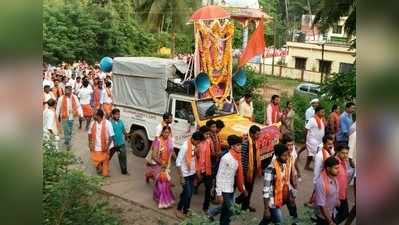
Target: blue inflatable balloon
{"points": [[106, 64]]}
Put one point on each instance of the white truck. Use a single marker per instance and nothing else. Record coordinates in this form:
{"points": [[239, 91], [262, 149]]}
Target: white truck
{"points": [[143, 90]]}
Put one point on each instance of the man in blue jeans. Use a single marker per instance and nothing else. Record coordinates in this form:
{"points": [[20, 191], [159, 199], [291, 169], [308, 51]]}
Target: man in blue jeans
{"points": [[276, 194], [185, 164], [230, 172], [68, 107]]}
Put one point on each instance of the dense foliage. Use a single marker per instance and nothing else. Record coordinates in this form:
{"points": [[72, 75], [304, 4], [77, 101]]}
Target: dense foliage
{"points": [[70, 196], [340, 87], [74, 30]]}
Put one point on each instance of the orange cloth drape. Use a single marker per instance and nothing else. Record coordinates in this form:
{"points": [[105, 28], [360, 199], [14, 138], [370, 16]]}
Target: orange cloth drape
{"points": [[319, 121], [104, 136], [100, 158], [240, 171], [189, 154], [96, 97], [164, 152], [205, 156], [275, 113], [334, 118], [281, 182], [251, 166], [64, 107], [256, 45]]}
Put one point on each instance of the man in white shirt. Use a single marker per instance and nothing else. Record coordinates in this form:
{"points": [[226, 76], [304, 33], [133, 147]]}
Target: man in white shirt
{"points": [[68, 107], [315, 133], [185, 164], [98, 137], [246, 108], [48, 82], [166, 121], [50, 124], [106, 99], [324, 150], [47, 95], [309, 113], [78, 85], [230, 172], [84, 95]]}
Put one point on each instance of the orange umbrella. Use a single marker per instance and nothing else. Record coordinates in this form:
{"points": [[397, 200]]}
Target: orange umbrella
{"points": [[210, 12]]}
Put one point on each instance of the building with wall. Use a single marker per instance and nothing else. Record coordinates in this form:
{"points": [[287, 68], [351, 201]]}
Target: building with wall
{"points": [[309, 56]]}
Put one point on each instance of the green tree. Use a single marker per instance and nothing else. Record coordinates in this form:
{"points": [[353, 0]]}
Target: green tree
{"points": [[89, 30], [329, 13], [340, 87]]}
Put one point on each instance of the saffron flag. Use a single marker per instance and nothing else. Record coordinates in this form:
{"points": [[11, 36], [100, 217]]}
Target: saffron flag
{"points": [[255, 46]]}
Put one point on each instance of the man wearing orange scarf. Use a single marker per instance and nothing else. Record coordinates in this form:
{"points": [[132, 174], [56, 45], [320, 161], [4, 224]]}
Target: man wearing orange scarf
{"points": [[106, 99], [333, 120], [230, 174], [204, 168], [100, 137], [68, 107], [315, 133], [278, 176], [251, 163], [273, 114], [98, 94], [187, 167]]}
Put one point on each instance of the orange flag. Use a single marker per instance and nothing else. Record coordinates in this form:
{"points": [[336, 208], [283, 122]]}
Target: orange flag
{"points": [[255, 46]]}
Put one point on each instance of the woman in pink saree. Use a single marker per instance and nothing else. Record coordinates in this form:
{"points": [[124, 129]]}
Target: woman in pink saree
{"points": [[161, 152]]}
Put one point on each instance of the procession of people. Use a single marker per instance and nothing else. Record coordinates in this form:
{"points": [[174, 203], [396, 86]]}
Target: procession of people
{"points": [[82, 94]]}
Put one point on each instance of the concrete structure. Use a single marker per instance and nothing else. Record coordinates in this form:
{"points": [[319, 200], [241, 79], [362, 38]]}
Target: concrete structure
{"points": [[309, 56], [312, 34]]}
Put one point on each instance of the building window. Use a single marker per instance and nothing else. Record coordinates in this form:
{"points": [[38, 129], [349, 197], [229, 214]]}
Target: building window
{"points": [[325, 66], [300, 63], [337, 29], [345, 67]]}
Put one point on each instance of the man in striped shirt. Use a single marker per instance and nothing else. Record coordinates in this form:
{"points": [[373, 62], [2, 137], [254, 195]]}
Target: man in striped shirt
{"points": [[276, 194], [251, 163]]}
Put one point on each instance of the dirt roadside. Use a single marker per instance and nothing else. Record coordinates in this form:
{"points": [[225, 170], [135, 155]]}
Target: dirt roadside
{"points": [[132, 213]]}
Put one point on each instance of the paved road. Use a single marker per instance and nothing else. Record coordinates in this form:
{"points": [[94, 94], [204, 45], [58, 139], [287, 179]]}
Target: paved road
{"points": [[134, 187]]}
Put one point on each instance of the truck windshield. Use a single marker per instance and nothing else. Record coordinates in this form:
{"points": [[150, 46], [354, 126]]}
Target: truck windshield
{"points": [[207, 109]]}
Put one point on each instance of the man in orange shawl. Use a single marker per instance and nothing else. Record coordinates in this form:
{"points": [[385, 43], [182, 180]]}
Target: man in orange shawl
{"points": [[333, 120], [97, 94], [100, 137], [278, 176], [273, 114], [251, 163], [204, 168], [187, 168], [230, 174], [68, 107], [106, 99]]}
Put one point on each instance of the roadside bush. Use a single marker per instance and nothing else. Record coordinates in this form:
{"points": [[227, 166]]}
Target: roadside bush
{"points": [[246, 218], [301, 104], [70, 196]]}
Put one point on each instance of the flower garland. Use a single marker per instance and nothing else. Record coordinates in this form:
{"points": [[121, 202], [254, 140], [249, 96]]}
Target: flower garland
{"points": [[215, 50]]}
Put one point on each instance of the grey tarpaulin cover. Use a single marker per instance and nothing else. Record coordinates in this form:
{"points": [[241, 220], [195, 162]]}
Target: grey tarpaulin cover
{"points": [[140, 82]]}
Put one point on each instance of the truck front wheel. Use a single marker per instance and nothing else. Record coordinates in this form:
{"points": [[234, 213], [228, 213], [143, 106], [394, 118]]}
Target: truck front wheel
{"points": [[139, 143]]}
